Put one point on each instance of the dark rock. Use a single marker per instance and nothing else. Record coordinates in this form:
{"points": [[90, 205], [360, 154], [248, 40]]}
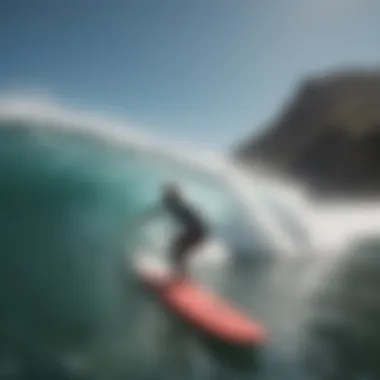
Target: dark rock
{"points": [[328, 135]]}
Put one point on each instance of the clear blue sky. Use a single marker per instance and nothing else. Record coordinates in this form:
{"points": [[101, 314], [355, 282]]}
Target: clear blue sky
{"points": [[208, 71]]}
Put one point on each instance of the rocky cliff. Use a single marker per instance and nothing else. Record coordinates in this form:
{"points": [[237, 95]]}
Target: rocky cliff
{"points": [[328, 135]]}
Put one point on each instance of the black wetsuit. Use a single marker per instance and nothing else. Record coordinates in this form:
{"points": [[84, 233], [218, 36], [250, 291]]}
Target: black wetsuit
{"points": [[195, 230]]}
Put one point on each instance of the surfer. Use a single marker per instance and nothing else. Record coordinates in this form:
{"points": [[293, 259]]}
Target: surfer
{"points": [[194, 230]]}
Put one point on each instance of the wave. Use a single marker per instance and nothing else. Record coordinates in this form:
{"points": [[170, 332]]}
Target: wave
{"points": [[71, 188]]}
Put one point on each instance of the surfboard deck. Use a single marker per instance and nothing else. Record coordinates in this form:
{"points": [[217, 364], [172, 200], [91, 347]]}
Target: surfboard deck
{"points": [[201, 308]]}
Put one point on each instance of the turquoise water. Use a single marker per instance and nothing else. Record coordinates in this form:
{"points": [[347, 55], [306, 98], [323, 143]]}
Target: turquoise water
{"points": [[70, 302]]}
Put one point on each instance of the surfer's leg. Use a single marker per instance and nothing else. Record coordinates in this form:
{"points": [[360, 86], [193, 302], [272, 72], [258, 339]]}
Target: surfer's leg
{"points": [[180, 250], [186, 245]]}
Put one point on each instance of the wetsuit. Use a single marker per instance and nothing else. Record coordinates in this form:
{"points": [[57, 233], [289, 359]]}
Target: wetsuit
{"points": [[194, 232]]}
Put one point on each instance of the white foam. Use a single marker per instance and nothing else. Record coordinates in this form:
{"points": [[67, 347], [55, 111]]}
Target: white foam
{"points": [[148, 263]]}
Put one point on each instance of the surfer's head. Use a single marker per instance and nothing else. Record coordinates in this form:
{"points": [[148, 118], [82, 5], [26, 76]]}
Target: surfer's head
{"points": [[171, 191]]}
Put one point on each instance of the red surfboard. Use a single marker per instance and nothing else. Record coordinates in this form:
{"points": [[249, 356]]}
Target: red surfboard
{"points": [[202, 309]]}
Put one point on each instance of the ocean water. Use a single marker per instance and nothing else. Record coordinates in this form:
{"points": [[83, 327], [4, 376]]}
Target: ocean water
{"points": [[72, 189]]}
